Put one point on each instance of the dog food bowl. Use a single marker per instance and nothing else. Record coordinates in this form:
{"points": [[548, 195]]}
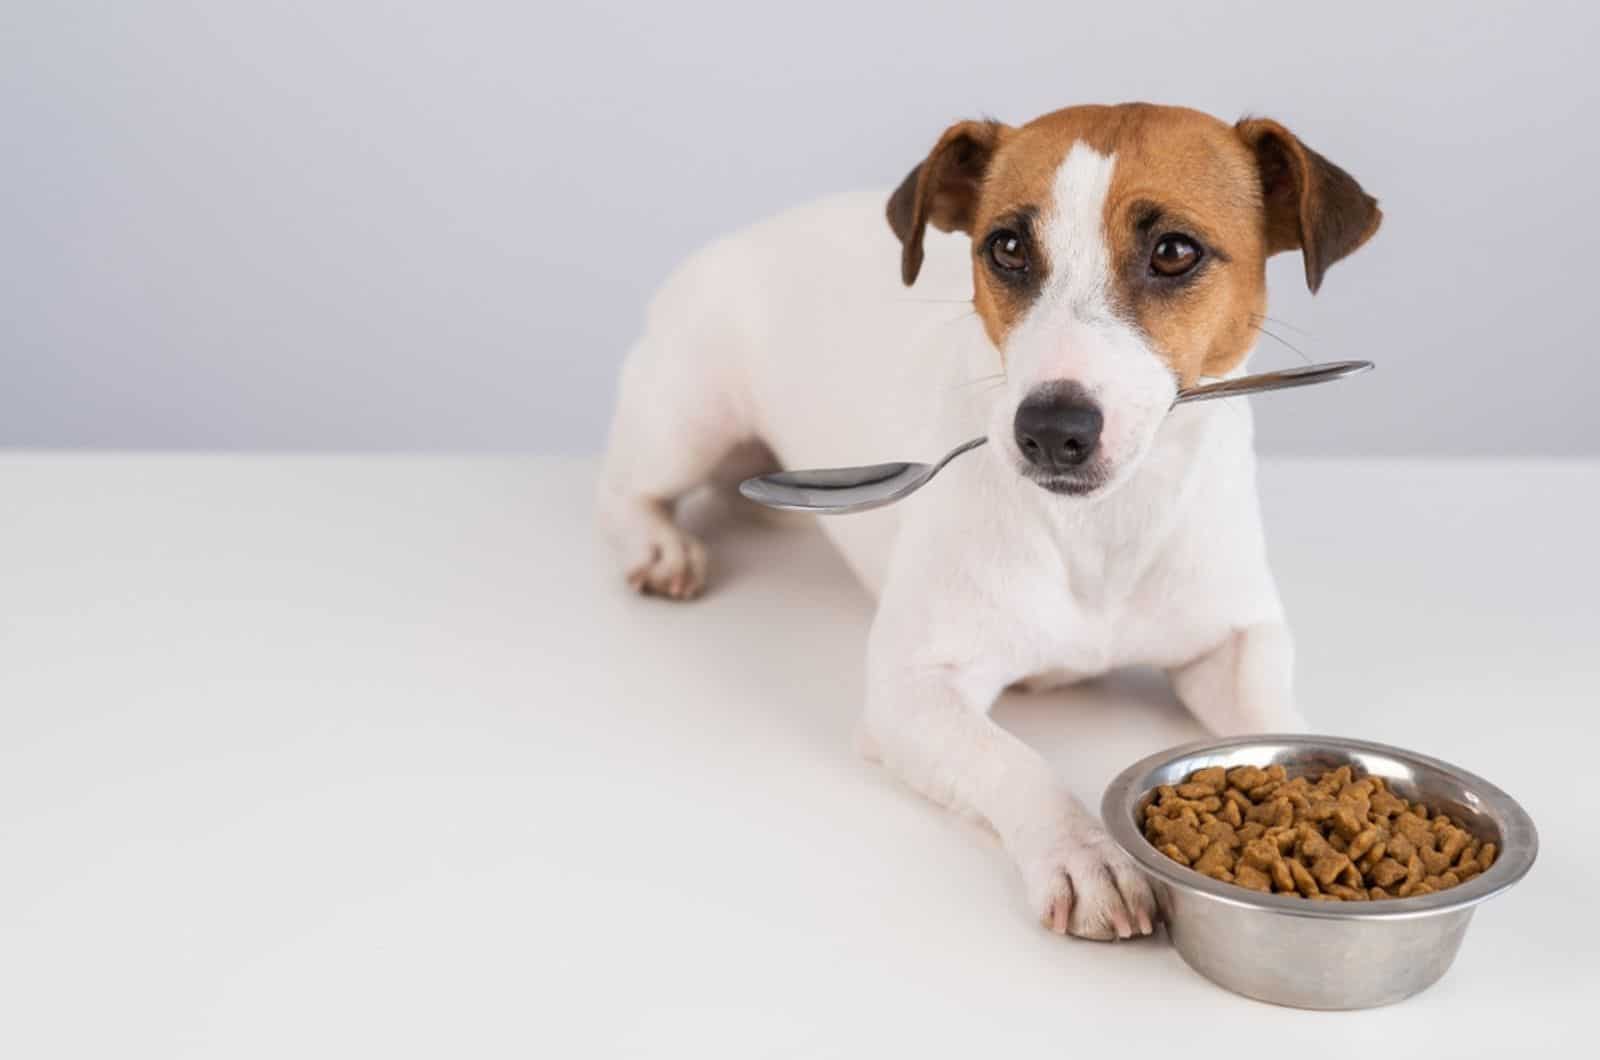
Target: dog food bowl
{"points": [[1321, 955]]}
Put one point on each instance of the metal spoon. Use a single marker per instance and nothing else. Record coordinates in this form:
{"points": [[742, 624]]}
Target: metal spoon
{"points": [[839, 490]]}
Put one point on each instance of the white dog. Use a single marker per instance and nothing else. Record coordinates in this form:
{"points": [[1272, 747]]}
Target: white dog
{"points": [[1108, 257]]}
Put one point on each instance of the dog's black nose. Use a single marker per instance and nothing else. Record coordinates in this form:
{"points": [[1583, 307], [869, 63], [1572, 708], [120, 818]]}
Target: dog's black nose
{"points": [[1058, 428]]}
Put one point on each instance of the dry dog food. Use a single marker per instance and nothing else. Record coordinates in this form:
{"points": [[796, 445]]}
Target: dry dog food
{"points": [[1333, 838]]}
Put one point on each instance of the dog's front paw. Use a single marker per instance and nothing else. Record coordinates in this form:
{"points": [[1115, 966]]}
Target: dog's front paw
{"points": [[1079, 883]]}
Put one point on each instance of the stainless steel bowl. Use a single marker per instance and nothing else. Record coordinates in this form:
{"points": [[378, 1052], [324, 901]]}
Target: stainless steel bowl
{"points": [[1321, 955]]}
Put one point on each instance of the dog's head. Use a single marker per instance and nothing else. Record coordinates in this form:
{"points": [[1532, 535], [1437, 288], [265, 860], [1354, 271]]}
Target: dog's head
{"points": [[1119, 254]]}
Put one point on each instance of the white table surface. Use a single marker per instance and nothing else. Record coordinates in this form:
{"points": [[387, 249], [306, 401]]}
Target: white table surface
{"points": [[356, 756]]}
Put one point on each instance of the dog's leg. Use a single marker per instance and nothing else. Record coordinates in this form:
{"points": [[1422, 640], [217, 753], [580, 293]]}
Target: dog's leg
{"points": [[929, 725], [675, 423], [1243, 685]]}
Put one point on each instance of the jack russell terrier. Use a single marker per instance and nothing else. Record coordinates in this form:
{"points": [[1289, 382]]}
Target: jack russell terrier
{"points": [[1085, 267]]}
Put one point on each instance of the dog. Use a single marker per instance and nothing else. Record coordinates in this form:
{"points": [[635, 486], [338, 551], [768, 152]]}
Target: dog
{"points": [[1082, 269]]}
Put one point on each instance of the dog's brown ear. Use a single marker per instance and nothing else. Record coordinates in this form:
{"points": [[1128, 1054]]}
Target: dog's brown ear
{"points": [[943, 189], [1310, 203]]}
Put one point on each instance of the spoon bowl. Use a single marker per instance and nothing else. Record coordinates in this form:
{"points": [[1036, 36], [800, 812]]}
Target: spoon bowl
{"points": [[841, 490]]}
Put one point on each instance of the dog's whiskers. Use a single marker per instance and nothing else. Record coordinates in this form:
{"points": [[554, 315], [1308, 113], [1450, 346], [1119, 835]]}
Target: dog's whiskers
{"points": [[958, 318], [997, 377], [1280, 339], [1282, 323]]}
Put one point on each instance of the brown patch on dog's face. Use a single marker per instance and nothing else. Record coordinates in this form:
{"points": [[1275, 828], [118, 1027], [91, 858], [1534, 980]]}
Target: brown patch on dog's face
{"points": [[1185, 239]]}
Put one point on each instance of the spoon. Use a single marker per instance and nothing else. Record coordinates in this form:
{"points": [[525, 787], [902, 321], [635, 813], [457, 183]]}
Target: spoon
{"points": [[839, 490]]}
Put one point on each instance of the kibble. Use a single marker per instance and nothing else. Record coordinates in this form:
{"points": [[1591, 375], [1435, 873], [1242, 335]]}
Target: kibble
{"points": [[1336, 837]]}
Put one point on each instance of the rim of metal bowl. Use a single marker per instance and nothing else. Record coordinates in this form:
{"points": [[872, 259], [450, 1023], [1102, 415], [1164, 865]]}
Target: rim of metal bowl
{"points": [[1516, 856]]}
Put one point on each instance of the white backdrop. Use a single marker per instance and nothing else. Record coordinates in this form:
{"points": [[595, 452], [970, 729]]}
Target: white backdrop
{"points": [[395, 225]]}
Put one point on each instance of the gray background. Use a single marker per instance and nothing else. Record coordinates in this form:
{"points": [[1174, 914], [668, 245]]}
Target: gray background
{"points": [[434, 226]]}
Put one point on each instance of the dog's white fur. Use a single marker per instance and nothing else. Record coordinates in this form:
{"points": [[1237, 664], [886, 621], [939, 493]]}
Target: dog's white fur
{"points": [[797, 332], [1073, 334]]}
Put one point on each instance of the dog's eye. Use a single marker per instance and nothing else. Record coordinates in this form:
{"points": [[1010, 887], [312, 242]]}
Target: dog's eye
{"points": [[1174, 255], [1007, 251]]}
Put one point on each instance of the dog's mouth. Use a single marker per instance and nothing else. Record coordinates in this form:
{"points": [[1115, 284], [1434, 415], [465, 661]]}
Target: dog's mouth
{"points": [[1073, 484]]}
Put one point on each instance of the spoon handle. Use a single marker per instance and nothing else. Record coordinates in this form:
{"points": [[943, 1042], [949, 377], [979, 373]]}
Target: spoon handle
{"points": [[1290, 377], [964, 447], [837, 490]]}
